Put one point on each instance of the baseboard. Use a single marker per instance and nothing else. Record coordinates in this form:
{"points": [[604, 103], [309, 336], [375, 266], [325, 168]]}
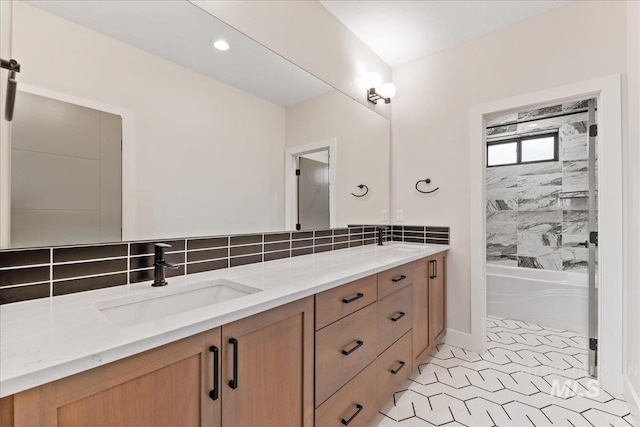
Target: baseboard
{"points": [[633, 400], [459, 339]]}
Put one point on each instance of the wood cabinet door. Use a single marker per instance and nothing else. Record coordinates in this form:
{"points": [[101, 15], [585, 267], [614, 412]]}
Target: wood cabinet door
{"points": [[420, 312], [167, 386], [267, 368], [437, 297]]}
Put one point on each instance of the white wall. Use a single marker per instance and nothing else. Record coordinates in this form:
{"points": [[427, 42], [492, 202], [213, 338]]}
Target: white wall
{"points": [[198, 169], [431, 112], [363, 152], [307, 34], [632, 193]]}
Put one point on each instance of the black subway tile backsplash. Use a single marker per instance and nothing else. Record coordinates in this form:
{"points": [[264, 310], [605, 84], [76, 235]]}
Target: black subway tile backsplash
{"points": [[252, 259], [278, 246], [199, 267], [89, 252], [245, 250], [18, 276], [245, 240], [24, 257], [207, 254], [143, 248], [215, 242], [83, 268], [89, 284], [90, 268], [23, 293]]}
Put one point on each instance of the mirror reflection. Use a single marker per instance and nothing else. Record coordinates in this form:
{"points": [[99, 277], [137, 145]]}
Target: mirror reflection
{"points": [[138, 126]]}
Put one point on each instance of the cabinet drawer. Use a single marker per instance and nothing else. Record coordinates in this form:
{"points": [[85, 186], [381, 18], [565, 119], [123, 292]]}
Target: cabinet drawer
{"points": [[393, 367], [354, 335], [395, 317], [391, 280], [338, 302], [355, 403]]}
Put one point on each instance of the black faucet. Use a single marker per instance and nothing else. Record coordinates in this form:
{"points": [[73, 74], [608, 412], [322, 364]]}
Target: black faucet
{"points": [[379, 230], [160, 264]]}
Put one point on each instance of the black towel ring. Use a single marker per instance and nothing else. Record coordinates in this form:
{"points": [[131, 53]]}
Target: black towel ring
{"points": [[366, 191], [427, 181]]}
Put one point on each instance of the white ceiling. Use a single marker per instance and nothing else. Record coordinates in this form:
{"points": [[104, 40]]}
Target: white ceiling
{"points": [[182, 33], [401, 31]]}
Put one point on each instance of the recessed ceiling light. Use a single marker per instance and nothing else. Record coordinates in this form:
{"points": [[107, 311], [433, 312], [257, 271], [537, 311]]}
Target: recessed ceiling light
{"points": [[533, 125], [221, 45]]}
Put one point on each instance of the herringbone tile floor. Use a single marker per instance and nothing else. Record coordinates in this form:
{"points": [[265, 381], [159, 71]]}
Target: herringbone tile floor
{"points": [[529, 376]]}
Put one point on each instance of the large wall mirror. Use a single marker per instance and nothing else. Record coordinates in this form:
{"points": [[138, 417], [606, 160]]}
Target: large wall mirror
{"points": [[129, 124]]}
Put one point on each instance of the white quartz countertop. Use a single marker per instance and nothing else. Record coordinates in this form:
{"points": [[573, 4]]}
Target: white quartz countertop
{"points": [[48, 339]]}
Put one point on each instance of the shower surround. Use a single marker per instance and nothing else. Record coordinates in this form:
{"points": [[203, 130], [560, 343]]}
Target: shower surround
{"points": [[537, 213]]}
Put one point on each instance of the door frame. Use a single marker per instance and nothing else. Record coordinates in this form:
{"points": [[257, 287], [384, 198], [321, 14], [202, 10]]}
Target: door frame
{"points": [[608, 91], [291, 184]]}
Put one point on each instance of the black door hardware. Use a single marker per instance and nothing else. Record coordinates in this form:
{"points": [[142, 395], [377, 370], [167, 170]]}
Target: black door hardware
{"points": [[398, 278], [14, 67], [593, 237], [354, 348], [395, 371], [357, 297], [359, 408], [593, 344], [397, 317], [233, 383], [585, 244], [213, 394]]}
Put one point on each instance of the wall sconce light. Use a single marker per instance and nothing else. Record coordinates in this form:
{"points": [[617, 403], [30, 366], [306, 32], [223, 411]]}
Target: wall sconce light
{"points": [[377, 91]]}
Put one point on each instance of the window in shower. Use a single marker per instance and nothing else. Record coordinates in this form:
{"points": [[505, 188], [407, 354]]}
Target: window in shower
{"points": [[521, 150]]}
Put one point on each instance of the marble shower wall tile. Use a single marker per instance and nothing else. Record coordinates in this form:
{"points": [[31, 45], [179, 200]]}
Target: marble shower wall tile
{"points": [[535, 181], [502, 205], [536, 213], [537, 239], [540, 204], [575, 259], [502, 238], [501, 119], [539, 168], [538, 192], [502, 177]]}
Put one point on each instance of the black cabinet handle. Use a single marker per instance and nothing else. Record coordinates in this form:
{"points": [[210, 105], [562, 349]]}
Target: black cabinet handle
{"points": [[213, 394], [358, 296], [397, 317], [234, 382], [357, 346], [432, 275], [359, 408], [435, 267], [398, 278], [395, 371]]}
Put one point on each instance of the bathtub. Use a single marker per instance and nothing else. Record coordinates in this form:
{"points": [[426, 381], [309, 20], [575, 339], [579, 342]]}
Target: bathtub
{"points": [[554, 299]]}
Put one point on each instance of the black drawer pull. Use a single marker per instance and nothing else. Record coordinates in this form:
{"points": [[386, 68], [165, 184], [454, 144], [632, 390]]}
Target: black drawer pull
{"points": [[234, 382], [213, 394], [399, 316], [432, 275], [346, 422], [398, 278], [357, 346], [358, 296], [395, 371]]}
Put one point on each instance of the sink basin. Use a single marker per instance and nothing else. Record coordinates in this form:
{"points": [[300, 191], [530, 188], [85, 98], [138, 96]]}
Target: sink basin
{"points": [[134, 309]]}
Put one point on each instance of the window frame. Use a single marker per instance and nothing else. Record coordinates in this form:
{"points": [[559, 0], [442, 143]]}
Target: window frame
{"points": [[518, 140]]}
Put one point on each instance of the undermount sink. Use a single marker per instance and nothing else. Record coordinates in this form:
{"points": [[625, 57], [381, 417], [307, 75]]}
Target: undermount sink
{"points": [[134, 309]]}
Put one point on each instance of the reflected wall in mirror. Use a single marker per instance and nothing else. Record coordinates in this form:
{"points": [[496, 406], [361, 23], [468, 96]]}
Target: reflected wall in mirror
{"points": [[204, 131], [66, 173]]}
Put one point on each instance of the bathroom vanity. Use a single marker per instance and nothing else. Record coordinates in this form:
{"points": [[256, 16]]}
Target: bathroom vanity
{"points": [[325, 341]]}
